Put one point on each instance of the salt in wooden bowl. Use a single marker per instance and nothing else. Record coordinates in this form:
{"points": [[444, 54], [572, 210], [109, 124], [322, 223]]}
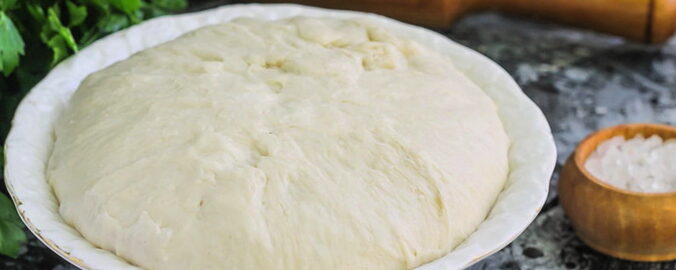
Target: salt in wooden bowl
{"points": [[621, 223]]}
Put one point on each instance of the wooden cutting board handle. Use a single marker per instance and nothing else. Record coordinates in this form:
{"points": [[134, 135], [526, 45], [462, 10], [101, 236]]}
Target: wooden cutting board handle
{"points": [[651, 21]]}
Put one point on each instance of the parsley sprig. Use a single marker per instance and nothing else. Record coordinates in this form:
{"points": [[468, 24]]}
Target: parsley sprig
{"points": [[64, 26]]}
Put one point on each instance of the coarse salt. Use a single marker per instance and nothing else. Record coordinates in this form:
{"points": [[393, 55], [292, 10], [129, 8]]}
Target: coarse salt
{"points": [[637, 164]]}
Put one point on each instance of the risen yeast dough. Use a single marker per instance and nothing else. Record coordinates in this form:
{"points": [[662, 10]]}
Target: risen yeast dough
{"points": [[294, 144]]}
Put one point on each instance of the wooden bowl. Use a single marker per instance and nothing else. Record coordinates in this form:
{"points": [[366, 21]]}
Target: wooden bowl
{"points": [[620, 223]]}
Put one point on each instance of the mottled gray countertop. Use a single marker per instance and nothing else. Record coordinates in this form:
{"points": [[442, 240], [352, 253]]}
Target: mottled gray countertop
{"points": [[583, 81]]}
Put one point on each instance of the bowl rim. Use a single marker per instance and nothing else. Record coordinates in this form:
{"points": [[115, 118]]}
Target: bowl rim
{"points": [[532, 155], [580, 160]]}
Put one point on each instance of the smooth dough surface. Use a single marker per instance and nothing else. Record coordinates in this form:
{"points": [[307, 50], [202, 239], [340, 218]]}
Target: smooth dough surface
{"points": [[304, 143]]}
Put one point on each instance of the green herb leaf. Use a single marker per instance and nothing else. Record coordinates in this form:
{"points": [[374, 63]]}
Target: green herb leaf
{"points": [[7, 4], [37, 12], [11, 45], [77, 14], [113, 23], [12, 235], [56, 26], [100, 6], [59, 48], [126, 6], [170, 5]]}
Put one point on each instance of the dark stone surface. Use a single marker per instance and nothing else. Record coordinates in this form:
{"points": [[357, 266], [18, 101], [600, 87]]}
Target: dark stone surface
{"points": [[583, 81]]}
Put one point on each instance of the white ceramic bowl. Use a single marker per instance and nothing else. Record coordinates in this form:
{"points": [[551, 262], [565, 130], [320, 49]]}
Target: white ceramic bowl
{"points": [[531, 157]]}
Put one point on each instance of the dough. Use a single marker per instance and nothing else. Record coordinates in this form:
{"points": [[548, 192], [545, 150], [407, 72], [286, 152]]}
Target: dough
{"points": [[304, 143]]}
